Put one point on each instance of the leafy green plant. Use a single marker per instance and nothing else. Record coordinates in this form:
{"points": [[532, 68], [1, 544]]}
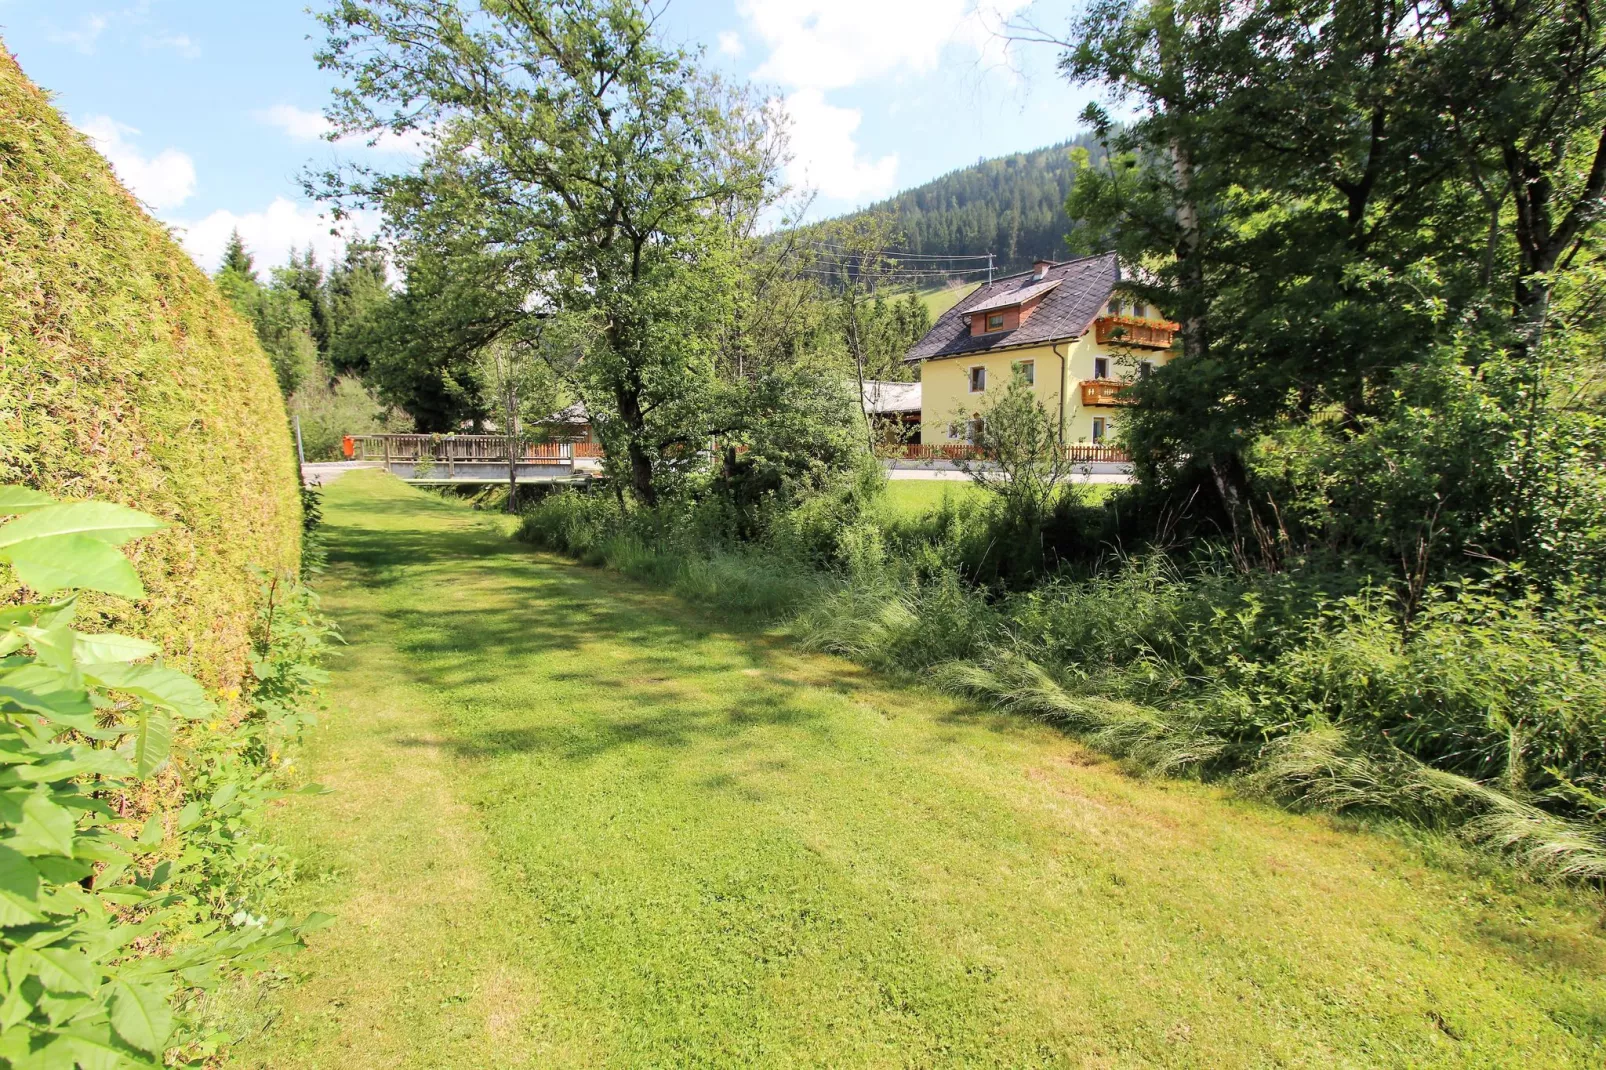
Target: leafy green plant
{"points": [[98, 934]]}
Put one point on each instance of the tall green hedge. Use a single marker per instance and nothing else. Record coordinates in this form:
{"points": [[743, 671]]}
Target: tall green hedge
{"points": [[125, 376]]}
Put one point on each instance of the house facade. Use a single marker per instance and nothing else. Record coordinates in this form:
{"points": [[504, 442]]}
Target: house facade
{"points": [[1067, 327]]}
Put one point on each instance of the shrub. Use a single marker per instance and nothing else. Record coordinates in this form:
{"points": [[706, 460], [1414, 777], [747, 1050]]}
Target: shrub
{"points": [[128, 378], [331, 410], [110, 908]]}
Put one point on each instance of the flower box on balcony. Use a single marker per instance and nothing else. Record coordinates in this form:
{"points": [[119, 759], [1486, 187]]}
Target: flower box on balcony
{"points": [[1131, 331], [1103, 392]]}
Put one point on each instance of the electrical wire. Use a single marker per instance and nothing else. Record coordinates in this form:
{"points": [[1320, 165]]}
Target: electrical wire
{"points": [[893, 254]]}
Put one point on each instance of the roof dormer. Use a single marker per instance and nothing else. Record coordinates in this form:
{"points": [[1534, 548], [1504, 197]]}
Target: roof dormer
{"points": [[1010, 309]]}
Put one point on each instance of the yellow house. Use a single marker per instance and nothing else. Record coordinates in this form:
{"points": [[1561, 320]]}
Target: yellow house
{"points": [[1067, 327]]}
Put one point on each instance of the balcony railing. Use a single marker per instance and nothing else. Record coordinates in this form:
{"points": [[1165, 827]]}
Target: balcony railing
{"points": [[1104, 392], [1130, 331]]}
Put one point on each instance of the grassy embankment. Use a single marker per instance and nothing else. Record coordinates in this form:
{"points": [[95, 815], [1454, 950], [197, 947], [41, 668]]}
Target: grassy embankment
{"points": [[575, 823], [942, 298]]}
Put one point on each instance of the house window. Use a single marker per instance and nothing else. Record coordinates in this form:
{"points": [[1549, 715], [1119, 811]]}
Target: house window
{"points": [[1145, 369], [1098, 429], [1101, 367], [995, 321], [978, 427], [1140, 310], [1114, 308], [978, 380], [1027, 369], [953, 431]]}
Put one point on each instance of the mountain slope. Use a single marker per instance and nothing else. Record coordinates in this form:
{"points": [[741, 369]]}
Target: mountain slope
{"points": [[1011, 206]]}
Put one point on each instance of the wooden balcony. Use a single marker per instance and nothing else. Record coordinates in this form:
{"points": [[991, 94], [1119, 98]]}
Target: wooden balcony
{"points": [[1104, 392], [1130, 331]]}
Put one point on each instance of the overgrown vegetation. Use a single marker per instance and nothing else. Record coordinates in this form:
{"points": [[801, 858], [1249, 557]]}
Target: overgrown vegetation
{"points": [[125, 887]]}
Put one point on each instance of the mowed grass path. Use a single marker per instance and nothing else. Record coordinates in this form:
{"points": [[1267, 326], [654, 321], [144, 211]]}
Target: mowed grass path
{"points": [[573, 823]]}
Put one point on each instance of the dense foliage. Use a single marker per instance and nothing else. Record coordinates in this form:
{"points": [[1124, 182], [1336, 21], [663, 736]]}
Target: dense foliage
{"points": [[1377, 227], [320, 332], [124, 888], [127, 378], [607, 220]]}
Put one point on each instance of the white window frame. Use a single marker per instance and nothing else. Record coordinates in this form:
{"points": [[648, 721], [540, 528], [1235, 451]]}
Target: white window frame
{"points": [[1101, 368], [1145, 368], [1113, 308], [1101, 428], [1027, 368], [970, 378]]}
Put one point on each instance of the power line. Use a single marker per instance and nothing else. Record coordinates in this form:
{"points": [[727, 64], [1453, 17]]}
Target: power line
{"points": [[897, 255]]}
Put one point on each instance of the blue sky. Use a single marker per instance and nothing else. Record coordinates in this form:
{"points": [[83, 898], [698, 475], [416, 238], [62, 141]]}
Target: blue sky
{"points": [[210, 110]]}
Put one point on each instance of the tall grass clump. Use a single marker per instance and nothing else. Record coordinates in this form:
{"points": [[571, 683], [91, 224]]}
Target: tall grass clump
{"points": [[673, 548]]}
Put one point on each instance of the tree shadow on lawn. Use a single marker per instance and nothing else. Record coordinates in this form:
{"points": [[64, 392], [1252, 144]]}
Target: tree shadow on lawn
{"points": [[683, 680]]}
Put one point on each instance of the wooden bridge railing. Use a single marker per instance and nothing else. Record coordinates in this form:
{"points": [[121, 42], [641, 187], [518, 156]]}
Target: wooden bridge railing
{"points": [[452, 448]]}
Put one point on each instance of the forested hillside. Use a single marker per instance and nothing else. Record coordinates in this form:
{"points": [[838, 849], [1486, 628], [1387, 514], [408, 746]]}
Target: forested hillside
{"points": [[1012, 206]]}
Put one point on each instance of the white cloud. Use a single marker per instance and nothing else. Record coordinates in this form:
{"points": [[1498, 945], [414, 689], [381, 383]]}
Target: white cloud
{"points": [[825, 154], [165, 180], [178, 42], [304, 125], [730, 43], [832, 44], [90, 27], [271, 233], [299, 123]]}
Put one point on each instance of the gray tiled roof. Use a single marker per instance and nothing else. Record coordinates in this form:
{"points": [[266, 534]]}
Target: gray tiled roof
{"points": [[1067, 309]]}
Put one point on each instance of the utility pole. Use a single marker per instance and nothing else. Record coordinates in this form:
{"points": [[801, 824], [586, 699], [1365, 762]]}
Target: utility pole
{"points": [[989, 269], [301, 455]]}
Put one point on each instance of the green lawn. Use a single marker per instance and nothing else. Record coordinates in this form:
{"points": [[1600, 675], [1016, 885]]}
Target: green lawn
{"points": [[573, 823], [913, 496]]}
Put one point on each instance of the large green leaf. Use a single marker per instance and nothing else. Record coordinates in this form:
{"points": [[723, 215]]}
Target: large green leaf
{"points": [[15, 499], [103, 521], [94, 1048], [48, 692], [67, 969], [45, 828], [153, 740], [18, 875], [19, 889], [82, 562], [153, 683], [141, 1016], [107, 647]]}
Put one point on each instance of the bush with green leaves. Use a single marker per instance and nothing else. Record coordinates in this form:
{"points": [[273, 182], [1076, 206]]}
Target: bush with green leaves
{"points": [[107, 904]]}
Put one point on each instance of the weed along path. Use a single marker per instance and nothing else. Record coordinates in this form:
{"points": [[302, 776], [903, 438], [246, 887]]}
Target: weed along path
{"points": [[573, 823]]}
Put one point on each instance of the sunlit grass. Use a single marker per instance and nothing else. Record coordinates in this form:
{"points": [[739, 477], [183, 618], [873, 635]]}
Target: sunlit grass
{"points": [[574, 823], [913, 497]]}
